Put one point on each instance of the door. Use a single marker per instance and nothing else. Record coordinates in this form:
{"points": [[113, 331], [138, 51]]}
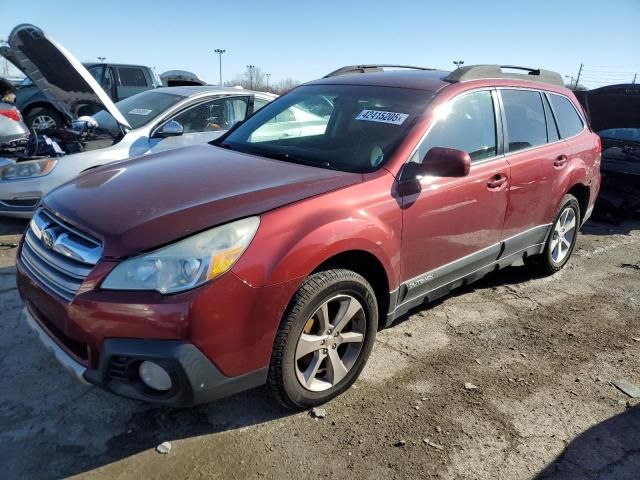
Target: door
{"points": [[203, 122], [538, 159], [453, 225]]}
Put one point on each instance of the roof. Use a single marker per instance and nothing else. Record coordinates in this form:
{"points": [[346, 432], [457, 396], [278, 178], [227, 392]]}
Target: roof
{"points": [[189, 91], [434, 80], [430, 80]]}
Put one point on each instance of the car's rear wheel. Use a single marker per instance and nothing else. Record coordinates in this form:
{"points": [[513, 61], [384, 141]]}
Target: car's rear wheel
{"points": [[44, 120], [324, 339], [562, 239]]}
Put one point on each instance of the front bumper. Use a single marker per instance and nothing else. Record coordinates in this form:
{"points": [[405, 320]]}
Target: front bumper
{"points": [[23, 207], [194, 378]]}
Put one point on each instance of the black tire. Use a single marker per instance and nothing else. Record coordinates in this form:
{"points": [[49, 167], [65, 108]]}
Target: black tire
{"points": [[37, 113], [319, 288], [544, 263]]}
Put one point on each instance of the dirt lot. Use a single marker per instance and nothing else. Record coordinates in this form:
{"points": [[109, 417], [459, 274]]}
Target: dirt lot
{"points": [[542, 352]]}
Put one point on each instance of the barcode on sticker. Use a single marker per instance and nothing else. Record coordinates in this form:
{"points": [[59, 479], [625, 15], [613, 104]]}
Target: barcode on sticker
{"points": [[382, 117], [140, 111]]}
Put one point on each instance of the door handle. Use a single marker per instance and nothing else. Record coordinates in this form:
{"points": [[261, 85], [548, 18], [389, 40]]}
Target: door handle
{"points": [[561, 161], [497, 181]]}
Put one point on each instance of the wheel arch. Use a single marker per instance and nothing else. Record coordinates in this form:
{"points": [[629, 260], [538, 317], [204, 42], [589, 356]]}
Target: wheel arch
{"points": [[582, 193], [370, 267], [39, 103]]}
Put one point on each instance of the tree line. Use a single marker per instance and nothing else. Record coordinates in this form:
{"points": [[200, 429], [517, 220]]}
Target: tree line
{"points": [[254, 78]]}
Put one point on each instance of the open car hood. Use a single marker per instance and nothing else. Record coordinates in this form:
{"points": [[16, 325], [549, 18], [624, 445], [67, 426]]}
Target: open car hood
{"points": [[61, 77], [613, 106], [180, 78]]}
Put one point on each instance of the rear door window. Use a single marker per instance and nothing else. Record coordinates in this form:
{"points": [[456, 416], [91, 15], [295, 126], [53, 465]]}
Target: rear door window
{"points": [[132, 77], [467, 123], [569, 122], [526, 126]]}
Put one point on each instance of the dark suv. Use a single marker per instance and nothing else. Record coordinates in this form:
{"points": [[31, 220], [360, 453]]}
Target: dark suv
{"points": [[275, 254]]}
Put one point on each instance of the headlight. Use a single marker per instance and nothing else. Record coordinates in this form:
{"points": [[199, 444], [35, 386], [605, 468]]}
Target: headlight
{"points": [[187, 263], [32, 168]]}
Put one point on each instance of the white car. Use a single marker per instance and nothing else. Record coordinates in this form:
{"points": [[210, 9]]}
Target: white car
{"points": [[151, 121]]}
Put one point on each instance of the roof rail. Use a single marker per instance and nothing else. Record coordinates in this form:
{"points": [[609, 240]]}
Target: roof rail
{"points": [[350, 69], [476, 72]]}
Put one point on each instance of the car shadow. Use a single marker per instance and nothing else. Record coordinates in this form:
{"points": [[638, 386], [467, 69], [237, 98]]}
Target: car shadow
{"points": [[600, 227], [609, 450]]}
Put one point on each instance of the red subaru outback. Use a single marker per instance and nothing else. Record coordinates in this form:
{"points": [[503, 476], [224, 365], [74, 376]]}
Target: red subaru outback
{"points": [[274, 255]]}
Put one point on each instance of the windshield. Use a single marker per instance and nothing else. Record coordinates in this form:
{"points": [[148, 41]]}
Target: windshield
{"points": [[139, 109], [354, 128]]}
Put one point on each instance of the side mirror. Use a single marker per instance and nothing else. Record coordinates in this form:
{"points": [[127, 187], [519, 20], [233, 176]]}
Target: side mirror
{"points": [[170, 129], [445, 162]]}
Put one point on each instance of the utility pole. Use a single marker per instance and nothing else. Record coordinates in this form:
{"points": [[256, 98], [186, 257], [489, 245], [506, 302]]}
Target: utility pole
{"points": [[268, 75], [220, 51], [635, 75], [578, 77], [458, 63], [251, 68]]}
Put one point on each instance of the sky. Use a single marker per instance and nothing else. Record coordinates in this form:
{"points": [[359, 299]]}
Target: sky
{"points": [[306, 40]]}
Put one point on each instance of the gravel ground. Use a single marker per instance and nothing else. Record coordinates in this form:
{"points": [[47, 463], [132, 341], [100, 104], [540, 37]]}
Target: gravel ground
{"points": [[543, 354]]}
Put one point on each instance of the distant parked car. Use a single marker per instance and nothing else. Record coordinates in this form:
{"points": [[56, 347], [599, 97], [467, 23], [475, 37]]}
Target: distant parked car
{"points": [[118, 81], [614, 112], [12, 127]]}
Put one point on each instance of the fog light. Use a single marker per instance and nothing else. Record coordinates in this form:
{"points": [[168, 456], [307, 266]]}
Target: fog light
{"points": [[154, 376]]}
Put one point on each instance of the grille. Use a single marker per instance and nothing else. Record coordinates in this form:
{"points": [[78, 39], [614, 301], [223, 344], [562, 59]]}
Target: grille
{"points": [[58, 255]]}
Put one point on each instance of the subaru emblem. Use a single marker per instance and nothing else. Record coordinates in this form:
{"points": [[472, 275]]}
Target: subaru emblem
{"points": [[48, 238]]}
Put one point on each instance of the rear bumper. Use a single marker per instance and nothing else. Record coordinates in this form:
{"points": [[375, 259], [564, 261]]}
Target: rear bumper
{"points": [[195, 379]]}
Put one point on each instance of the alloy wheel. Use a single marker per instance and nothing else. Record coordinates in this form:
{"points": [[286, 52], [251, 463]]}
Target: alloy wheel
{"points": [[43, 122], [564, 233], [330, 343]]}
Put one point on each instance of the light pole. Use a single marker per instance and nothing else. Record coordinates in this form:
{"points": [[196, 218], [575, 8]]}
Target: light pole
{"points": [[458, 63], [102, 59], [268, 75], [251, 68], [570, 81], [6, 62], [220, 51]]}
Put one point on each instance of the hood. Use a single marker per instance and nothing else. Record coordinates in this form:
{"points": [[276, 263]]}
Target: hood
{"points": [[150, 201], [180, 78], [59, 75]]}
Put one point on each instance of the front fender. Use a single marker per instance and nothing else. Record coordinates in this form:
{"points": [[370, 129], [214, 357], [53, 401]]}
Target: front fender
{"points": [[294, 240]]}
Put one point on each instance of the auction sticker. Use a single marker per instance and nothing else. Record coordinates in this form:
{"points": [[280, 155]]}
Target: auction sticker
{"points": [[382, 117], [140, 111]]}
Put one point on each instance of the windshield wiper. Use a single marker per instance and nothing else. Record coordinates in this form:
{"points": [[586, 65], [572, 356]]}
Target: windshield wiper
{"points": [[289, 158]]}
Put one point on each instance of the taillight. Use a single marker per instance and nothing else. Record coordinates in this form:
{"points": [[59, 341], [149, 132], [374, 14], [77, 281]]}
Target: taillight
{"points": [[12, 114]]}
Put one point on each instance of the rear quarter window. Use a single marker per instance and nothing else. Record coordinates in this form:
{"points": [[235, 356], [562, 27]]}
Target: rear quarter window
{"points": [[569, 122]]}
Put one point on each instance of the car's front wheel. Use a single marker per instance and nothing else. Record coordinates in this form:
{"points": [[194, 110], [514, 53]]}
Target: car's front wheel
{"points": [[562, 239], [324, 339], [44, 120]]}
